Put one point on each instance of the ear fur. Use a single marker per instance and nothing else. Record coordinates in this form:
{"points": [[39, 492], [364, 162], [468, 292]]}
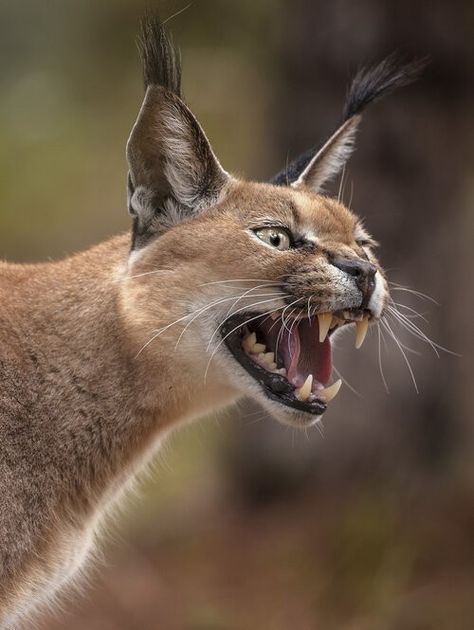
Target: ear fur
{"points": [[173, 172], [318, 165], [330, 158]]}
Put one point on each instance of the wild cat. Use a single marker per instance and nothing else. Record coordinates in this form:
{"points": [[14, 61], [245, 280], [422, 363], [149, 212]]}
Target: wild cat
{"points": [[224, 288]]}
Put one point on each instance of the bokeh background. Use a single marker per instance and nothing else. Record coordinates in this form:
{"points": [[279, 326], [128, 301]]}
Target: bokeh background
{"points": [[243, 524]]}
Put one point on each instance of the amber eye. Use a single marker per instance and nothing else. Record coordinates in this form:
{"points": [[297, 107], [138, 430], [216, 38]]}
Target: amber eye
{"points": [[275, 237]]}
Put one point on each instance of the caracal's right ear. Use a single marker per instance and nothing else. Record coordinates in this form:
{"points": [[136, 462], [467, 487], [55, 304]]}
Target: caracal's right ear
{"points": [[173, 172]]}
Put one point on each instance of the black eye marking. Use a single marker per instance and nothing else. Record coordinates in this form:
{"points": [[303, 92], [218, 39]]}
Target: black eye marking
{"points": [[363, 244], [304, 244]]}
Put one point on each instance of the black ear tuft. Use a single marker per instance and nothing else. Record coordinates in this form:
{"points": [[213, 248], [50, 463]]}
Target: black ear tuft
{"points": [[370, 84], [173, 172], [161, 61]]}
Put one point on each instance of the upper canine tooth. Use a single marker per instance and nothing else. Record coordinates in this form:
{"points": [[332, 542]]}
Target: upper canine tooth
{"points": [[325, 320], [330, 392], [361, 331], [249, 341], [258, 348], [274, 315], [303, 392]]}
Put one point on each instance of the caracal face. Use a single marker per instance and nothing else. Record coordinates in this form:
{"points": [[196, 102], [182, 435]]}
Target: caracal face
{"points": [[265, 280]]}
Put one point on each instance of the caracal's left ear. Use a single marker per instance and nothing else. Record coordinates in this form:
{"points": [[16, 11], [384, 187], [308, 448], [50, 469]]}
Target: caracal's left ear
{"points": [[173, 172], [319, 165]]}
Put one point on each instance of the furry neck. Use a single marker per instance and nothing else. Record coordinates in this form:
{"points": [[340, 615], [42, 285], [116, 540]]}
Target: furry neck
{"points": [[97, 404]]}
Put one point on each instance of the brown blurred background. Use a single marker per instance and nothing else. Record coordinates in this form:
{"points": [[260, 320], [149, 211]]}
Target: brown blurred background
{"points": [[246, 524]]}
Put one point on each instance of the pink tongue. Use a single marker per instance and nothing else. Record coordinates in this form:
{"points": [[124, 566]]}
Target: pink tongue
{"points": [[293, 345], [303, 354]]}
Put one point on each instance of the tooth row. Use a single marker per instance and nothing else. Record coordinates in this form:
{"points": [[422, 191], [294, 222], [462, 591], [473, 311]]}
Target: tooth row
{"points": [[265, 359], [327, 321]]}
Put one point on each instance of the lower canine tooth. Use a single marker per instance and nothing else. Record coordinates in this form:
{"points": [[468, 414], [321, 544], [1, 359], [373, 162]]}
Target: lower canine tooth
{"points": [[330, 392], [270, 357], [258, 348], [325, 320], [361, 331], [304, 391]]}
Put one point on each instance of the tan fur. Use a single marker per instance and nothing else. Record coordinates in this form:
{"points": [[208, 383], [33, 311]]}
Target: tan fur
{"points": [[102, 354], [84, 395]]}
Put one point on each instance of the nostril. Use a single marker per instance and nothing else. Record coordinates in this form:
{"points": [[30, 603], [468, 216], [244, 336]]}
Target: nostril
{"points": [[356, 267]]}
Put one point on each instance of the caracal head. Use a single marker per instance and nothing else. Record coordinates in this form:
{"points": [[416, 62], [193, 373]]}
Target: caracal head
{"points": [[248, 282]]}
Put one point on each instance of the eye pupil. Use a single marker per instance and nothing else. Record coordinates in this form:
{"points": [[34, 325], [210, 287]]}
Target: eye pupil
{"points": [[275, 239]]}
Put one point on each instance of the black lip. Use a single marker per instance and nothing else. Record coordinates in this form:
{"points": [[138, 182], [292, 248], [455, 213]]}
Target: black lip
{"points": [[275, 386]]}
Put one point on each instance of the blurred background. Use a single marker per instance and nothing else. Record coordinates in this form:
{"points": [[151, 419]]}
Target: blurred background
{"points": [[368, 523]]}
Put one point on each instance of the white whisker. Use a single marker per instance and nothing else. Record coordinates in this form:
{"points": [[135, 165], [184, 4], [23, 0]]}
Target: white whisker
{"points": [[229, 333], [148, 273], [380, 334], [414, 330], [230, 280], [216, 303], [346, 382], [398, 287], [245, 308], [415, 315], [392, 334]]}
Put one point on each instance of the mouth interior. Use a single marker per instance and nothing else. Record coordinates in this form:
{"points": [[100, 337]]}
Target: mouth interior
{"points": [[297, 349], [288, 358], [291, 360]]}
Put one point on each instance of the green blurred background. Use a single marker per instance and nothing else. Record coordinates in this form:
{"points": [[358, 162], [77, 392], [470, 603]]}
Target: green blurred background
{"points": [[243, 523]]}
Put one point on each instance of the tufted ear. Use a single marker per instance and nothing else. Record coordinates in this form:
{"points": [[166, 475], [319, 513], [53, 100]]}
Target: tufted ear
{"points": [[331, 157], [319, 165], [173, 172]]}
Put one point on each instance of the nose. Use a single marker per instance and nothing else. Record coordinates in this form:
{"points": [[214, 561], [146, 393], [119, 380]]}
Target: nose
{"points": [[362, 271]]}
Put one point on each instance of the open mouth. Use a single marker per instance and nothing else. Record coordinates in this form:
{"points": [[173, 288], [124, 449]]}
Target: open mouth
{"points": [[292, 360]]}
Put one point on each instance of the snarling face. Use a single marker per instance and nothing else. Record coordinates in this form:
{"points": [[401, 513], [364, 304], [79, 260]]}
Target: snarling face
{"points": [[266, 274], [290, 270]]}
